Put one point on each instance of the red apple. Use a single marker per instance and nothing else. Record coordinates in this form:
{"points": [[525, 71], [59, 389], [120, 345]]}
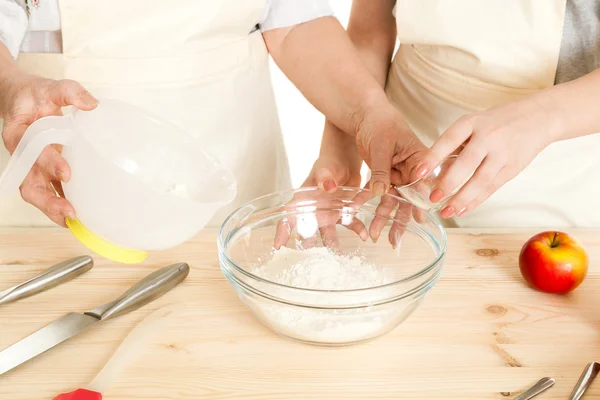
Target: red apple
{"points": [[553, 262]]}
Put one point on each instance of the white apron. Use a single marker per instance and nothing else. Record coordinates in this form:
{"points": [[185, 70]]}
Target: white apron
{"points": [[192, 62], [460, 56]]}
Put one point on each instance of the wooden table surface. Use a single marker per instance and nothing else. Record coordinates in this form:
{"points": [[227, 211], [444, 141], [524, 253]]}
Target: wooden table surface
{"points": [[480, 334]]}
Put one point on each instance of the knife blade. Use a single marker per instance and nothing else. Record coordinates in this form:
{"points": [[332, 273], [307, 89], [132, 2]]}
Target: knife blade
{"points": [[148, 289], [51, 277]]}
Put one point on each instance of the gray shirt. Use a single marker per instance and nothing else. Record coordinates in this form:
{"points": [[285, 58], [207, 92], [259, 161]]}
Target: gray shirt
{"points": [[580, 47]]}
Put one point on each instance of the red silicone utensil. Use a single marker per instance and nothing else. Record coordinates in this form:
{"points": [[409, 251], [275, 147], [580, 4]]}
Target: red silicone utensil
{"points": [[80, 394], [132, 343]]}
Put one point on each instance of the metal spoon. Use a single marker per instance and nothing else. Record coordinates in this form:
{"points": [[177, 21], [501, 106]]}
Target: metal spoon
{"points": [[542, 385], [585, 380]]}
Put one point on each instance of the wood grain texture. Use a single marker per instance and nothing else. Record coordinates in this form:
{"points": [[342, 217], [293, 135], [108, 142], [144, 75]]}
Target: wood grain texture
{"points": [[480, 334]]}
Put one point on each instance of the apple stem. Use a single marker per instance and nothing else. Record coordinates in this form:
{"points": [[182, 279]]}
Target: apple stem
{"points": [[554, 244]]}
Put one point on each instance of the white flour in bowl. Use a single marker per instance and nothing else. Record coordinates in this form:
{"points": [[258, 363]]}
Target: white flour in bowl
{"points": [[320, 268]]}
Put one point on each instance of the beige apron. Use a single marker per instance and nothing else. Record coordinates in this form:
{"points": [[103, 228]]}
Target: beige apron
{"points": [[193, 62], [460, 56]]}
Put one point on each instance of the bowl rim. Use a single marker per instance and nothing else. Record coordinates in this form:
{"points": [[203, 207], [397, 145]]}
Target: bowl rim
{"points": [[222, 253]]}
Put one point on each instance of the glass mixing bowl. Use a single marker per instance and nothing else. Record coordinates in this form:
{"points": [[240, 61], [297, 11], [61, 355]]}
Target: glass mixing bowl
{"points": [[408, 256]]}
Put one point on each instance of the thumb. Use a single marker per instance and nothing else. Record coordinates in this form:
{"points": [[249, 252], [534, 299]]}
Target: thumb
{"points": [[66, 92], [326, 180], [381, 155]]}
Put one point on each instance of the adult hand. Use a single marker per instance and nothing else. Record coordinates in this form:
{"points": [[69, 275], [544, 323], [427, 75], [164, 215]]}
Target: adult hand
{"points": [[394, 154], [390, 149], [338, 164], [332, 170], [383, 140], [315, 215], [23, 100], [498, 144]]}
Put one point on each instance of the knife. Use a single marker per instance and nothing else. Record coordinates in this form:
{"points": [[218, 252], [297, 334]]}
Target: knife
{"points": [[148, 289], [53, 276]]}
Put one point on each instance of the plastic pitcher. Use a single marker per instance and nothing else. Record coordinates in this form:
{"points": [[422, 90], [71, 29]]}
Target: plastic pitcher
{"points": [[138, 183]]}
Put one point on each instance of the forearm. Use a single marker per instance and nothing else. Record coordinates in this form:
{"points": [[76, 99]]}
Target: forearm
{"points": [[372, 30], [319, 58], [572, 107]]}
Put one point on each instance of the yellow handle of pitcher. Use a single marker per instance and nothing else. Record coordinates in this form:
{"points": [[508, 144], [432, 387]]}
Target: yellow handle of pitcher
{"points": [[104, 248]]}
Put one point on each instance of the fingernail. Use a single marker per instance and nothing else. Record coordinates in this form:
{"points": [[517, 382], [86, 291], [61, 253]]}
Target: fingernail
{"points": [[436, 195], [62, 175], [447, 212], [461, 212], [88, 99], [379, 188], [375, 234], [364, 235], [329, 185], [422, 170], [70, 214]]}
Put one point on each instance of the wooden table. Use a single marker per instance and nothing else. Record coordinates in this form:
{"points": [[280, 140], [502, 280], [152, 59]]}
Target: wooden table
{"points": [[480, 334]]}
